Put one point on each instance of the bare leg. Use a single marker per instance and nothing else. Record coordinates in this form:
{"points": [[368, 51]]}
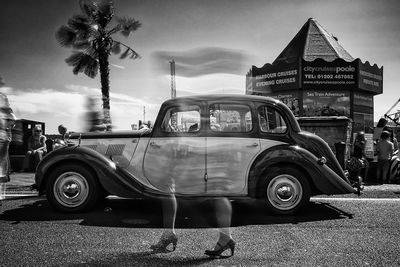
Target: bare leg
{"points": [[379, 173], [169, 207], [2, 191], [223, 212], [385, 170]]}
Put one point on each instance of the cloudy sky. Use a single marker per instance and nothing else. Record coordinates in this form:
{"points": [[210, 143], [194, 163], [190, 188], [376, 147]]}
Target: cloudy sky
{"points": [[41, 86]]}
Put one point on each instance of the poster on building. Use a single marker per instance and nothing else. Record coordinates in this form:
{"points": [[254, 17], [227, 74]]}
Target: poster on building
{"points": [[290, 98], [364, 100], [326, 103], [337, 74], [363, 121], [272, 78], [370, 78], [369, 144]]}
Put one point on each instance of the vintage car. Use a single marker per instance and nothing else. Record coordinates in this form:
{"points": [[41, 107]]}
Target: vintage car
{"points": [[235, 146]]}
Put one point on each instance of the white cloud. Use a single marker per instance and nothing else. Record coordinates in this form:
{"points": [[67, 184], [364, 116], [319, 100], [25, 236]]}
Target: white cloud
{"points": [[68, 107]]}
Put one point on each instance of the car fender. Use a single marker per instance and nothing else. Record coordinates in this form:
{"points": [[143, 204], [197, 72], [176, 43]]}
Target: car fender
{"points": [[103, 167], [305, 161], [113, 179]]}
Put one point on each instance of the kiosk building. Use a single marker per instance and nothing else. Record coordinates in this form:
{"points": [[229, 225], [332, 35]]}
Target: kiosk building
{"points": [[316, 77]]}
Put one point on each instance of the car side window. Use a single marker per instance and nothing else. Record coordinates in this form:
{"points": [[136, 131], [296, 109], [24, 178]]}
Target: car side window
{"points": [[230, 118], [183, 119], [270, 120]]}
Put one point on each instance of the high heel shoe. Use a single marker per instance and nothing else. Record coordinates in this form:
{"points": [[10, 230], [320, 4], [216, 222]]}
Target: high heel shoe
{"points": [[216, 253], [164, 242]]}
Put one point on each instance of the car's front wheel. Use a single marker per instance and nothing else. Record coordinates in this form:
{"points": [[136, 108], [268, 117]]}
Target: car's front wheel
{"points": [[72, 188], [285, 190]]}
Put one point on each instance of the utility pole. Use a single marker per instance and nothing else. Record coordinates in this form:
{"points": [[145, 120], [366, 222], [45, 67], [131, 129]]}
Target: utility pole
{"points": [[173, 85], [144, 114]]}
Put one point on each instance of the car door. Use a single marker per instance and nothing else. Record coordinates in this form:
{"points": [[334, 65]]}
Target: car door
{"points": [[175, 158], [231, 148]]}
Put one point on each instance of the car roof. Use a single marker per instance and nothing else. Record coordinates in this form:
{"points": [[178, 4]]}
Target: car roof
{"points": [[222, 97]]}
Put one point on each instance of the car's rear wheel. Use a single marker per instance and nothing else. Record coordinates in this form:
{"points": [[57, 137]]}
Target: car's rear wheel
{"points": [[72, 188], [285, 190]]}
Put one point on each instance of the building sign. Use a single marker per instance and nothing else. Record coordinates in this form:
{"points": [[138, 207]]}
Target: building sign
{"points": [[336, 74], [291, 99], [326, 103], [271, 78], [363, 100], [370, 77]]}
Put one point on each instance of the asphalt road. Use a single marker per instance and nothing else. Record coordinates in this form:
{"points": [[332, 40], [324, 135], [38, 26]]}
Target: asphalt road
{"points": [[344, 231]]}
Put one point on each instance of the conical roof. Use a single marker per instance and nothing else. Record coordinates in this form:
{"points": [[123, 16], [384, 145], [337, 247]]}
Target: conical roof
{"points": [[312, 42]]}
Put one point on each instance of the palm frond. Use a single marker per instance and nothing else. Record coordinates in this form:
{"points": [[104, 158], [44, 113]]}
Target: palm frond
{"points": [[116, 48], [128, 25], [83, 27], [116, 29], [125, 54], [106, 8], [82, 62], [88, 8], [65, 36], [82, 44], [79, 22], [134, 55], [105, 12]]}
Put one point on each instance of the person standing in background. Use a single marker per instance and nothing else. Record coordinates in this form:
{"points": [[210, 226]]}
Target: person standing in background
{"points": [[7, 122], [359, 153], [385, 151], [36, 149]]}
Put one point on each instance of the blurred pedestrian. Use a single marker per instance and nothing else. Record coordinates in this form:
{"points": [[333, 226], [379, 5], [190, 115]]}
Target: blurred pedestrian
{"points": [[222, 208], [385, 150], [7, 122], [36, 149], [359, 154], [223, 213], [94, 116]]}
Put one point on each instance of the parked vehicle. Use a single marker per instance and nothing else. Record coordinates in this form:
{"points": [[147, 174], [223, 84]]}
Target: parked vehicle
{"points": [[236, 146]]}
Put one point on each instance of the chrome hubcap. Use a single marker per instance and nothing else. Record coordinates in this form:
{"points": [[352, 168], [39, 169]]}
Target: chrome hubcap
{"points": [[284, 192], [71, 189]]}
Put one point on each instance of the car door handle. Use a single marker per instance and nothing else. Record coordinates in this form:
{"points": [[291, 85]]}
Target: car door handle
{"points": [[154, 144], [253, 145]]}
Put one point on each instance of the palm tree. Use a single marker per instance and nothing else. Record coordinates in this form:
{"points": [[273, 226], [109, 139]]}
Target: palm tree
{"points": [[90, 36]]}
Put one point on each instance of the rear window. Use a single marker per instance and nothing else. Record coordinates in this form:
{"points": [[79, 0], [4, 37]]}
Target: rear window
{"points": [[271, 120], [230, 118]]}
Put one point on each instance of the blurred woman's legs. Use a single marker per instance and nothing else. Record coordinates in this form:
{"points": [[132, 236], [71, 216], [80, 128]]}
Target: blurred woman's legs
{"points": [[4, 168], [223, 212], [169, 208]]}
